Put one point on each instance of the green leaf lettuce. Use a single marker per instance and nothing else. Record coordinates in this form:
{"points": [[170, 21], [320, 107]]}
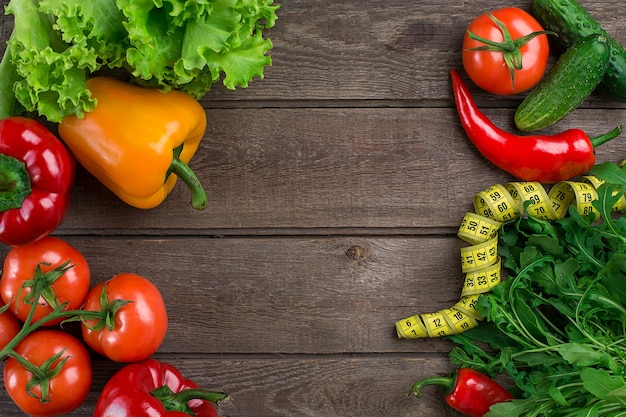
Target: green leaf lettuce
{"points": [[168, 44]]}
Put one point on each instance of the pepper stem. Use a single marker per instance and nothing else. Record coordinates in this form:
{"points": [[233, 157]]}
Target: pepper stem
{"points": [[599, 140], [181, 170], [14, 183], [178, 401], [442, 381]]}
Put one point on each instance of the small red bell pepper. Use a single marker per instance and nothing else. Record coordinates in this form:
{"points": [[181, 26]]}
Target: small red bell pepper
{"points": [[470, 392], [151, 388], [543, 158], [36, 177]]}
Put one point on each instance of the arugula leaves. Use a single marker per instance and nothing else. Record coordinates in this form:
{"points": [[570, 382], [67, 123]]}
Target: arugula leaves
{"points": [[556, 326]]}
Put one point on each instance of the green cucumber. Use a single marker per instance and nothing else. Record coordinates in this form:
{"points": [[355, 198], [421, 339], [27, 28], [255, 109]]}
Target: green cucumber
{"points": [[572, 22], [569, 82]]}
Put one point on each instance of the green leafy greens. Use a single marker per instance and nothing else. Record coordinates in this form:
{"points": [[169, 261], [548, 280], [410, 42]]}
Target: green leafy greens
{"points": [[557, 325], [186, 45]]}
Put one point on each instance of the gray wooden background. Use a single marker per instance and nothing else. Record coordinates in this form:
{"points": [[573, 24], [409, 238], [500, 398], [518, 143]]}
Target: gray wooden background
{"points": [[336, 186]]}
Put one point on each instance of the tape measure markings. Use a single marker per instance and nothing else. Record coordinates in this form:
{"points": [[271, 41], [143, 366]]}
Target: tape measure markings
{"points": [[536, 195], [480, 261], [475, 228], [496, 203], [480, 256]]}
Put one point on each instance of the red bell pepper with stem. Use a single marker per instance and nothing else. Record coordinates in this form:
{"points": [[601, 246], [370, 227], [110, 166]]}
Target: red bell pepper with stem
{"points": [[151, 388], [543, 158], [470, 392], [36, 177]]}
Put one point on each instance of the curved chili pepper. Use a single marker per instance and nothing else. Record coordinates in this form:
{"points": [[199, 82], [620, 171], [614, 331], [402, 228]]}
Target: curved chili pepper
{"points": [[470, 392], [543, 158]]}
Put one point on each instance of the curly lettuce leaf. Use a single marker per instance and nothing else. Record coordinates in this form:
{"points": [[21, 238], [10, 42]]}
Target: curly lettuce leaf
{"points": [[96, 24], [155, 43], [241, 53], [186, 45], [53, 83], [50, 73], [189, 45], [238, 58]]}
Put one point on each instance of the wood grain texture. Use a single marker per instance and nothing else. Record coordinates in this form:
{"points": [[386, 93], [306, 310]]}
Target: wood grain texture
{"points": [[336, 185], [287, 296], [303, 387], [325, 168], [372, 50]]}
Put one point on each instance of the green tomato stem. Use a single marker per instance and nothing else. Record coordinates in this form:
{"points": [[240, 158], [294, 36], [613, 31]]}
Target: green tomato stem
{"points": [[509, 47], [58, 313], [30, 367]]}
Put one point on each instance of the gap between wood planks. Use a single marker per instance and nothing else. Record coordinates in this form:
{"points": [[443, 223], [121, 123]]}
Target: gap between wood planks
{"points": [[387, 232]]}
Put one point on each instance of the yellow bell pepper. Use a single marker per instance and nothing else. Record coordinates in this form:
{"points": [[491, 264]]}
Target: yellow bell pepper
{"points": [[138, 140]]}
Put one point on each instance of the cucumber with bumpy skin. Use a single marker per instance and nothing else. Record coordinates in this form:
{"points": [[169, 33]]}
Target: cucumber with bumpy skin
{"points": [[572, 22], [569, 82]]}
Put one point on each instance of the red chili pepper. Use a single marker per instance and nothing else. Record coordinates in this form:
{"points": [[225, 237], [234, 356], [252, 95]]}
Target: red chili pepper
{"points": [[36, 177], [543, 158], [470, 392], [151, 388]]}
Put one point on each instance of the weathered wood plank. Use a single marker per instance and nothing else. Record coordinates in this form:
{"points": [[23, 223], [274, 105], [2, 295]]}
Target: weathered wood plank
{"points": [[336, 185], [288, 296], [326, 168], [370, 50], [375, 50], [301, 387]]}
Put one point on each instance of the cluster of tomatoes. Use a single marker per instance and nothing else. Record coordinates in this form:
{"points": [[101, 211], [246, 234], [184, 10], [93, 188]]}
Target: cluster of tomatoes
{"points": [[48, 370]]}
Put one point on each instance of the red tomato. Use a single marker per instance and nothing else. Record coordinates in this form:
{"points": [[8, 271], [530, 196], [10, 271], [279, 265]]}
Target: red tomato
{"points": [[139, 326], [20, 266], [9, 326], [66, 391], [488, 69]]}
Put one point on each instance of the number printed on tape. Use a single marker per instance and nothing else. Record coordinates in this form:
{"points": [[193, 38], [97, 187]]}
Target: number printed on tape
{"points": [[480, 261]]}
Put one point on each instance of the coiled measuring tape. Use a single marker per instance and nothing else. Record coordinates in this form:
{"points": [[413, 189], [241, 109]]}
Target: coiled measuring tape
{"points": [[480, 261]]}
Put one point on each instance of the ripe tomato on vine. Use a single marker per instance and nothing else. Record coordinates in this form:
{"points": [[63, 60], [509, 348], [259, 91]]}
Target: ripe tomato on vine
{"points": [[505, 51]]}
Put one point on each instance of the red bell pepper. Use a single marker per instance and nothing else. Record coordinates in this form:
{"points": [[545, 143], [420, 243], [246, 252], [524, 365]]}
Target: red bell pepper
{"points": [[470, 392], [151, 388], [36, 177]]}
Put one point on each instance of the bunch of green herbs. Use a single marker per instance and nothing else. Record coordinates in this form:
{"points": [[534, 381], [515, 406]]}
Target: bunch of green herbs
{"points": [[556, 326], [56, 45]]}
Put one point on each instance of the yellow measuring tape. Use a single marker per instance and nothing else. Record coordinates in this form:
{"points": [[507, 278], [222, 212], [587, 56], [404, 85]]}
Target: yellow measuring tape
{"points": [[480, 262]]}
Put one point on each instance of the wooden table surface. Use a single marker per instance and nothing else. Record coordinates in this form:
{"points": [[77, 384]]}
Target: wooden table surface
{"points": [[336, 186]]}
